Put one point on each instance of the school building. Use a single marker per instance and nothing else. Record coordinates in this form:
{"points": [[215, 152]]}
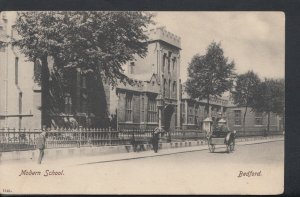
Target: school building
{"points": [[156, 98]]}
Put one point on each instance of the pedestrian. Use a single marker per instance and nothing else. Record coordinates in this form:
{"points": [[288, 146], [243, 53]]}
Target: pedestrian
{"points": [[41, 144], [155, 139], [133, 143]]}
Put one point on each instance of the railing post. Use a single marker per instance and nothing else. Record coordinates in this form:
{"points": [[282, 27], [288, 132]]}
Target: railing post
{"points": [[80, 129], [109, 130]]}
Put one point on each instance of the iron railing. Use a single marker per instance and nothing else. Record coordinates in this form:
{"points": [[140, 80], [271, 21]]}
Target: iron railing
{"points": [[25, 139]]}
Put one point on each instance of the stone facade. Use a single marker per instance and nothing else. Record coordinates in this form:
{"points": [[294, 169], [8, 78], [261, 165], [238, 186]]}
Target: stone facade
{"points": [[19, 99], [194, 111], [156, 75]]}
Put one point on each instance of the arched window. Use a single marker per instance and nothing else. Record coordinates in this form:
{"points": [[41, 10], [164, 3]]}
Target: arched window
{"points": [[174, 86]]}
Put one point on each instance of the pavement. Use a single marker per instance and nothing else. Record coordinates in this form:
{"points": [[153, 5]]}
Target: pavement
{"points": [[86, 160]]}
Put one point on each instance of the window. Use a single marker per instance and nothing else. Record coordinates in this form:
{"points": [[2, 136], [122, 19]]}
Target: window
{"points": [[37, 70], [258, 118], [165, 84], [16, 70], [191, 116], [68, 104], [84, 97], [174, 86], [131, 71], [152, 110], [128, 108], [182, 109], [196, 111], [164, 63], [237, 117], [2, 44], [174, 62], [169, 65], [143, 110], [20, 103], [170, 88]]}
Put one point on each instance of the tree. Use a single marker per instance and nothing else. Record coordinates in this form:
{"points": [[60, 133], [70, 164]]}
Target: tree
{"points": [[246, 86], [209, 74], [98, 43], [269, 97]]}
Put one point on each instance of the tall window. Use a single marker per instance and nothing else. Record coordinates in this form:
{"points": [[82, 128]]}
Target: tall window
{"points": [[174, 86], [143, 110], [152, 110], [169, 65], [128, 108], [191, 115], [196, 113], [170, 88], [83, 99], [17, 70], [165, 89], [68, 104], [174, 62], [164, 63], [182, 109], [131, 71], [258, 118], [237, 117], [2, 45]]}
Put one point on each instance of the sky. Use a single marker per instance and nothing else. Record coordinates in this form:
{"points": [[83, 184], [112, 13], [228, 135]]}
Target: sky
{"points": [[254, 40]]}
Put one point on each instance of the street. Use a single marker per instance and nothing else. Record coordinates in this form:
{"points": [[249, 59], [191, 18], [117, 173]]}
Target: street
{"points": [[197, 172]]}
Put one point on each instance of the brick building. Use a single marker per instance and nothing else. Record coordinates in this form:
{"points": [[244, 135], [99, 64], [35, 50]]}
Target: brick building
{"points": [[255, 122]]}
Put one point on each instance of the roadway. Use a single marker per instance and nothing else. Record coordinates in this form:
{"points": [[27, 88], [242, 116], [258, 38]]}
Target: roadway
{"points": [[196, 172]]}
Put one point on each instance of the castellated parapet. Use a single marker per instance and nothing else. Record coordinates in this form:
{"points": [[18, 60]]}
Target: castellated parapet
{"points": [[160, 33]]}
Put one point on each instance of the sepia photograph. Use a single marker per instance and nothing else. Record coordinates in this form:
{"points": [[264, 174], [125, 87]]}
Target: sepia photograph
{"points": [[142, 102]]}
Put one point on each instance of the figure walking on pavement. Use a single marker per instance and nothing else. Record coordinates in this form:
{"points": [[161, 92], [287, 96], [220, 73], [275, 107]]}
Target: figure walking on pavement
{"points": [[41, 144], [155, 139]]}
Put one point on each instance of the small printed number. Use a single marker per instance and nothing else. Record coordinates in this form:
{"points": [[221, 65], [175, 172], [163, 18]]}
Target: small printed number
{"points": [[7, 190]]}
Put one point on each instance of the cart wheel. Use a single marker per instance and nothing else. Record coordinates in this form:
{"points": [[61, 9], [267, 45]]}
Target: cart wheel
{"points": [[232, 146], [211, 147], [228, 148]]}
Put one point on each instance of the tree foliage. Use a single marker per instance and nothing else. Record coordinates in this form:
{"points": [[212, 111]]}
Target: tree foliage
{"points": [[245, 89], [210, 74], [95, 41], [269, 97]]}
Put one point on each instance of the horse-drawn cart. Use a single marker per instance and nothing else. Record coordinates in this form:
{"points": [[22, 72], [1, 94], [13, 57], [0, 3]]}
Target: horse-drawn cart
{"points": [[221, 138]]}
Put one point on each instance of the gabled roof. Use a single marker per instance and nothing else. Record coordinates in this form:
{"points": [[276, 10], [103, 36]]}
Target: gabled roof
{"points": [[154, 77]]}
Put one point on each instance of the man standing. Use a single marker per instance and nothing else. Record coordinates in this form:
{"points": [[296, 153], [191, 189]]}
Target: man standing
{"points": [[41, 144], [155, 139]]}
